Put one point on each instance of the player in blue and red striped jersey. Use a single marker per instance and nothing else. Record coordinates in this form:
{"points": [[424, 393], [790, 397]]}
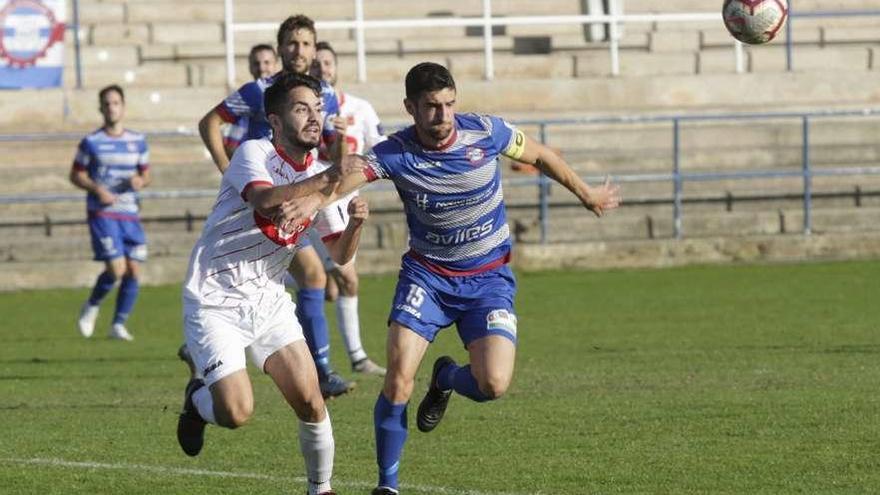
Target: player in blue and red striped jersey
{"points": [[262, 63], [446, 171], [112, 164], [296, 39]]}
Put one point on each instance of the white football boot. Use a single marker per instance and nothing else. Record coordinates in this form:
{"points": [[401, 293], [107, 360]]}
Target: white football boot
{"points": [[87, 317], [119, 332]]}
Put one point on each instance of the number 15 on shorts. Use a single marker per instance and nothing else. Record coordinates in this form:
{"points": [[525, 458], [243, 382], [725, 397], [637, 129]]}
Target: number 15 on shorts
{"points": [[416, 296]]}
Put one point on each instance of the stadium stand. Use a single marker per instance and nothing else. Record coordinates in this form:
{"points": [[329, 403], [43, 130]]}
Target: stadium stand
{"points": [[170, 58]]}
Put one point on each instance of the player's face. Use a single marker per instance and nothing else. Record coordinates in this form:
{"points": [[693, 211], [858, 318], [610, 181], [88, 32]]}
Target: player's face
{"points": [[298, 51], [112, 108], [327, 64], [263, 63], [433, 114], [301, 123]]}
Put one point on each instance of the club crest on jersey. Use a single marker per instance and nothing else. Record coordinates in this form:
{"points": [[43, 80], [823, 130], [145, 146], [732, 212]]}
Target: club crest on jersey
{"points": [[474, 155]]}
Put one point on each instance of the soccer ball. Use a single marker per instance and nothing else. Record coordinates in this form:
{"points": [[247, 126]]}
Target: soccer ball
{"points": [[754, 21]]}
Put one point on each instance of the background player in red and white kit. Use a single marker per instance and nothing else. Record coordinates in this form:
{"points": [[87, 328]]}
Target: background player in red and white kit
{"points": [[362, 131], [112, 164], [234, 298]]}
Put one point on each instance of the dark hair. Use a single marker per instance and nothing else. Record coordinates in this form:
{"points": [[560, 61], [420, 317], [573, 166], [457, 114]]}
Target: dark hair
{"points": [[295, 23], [259, 48], [426, 77], [107, 89], [277, 94], [323, 45]]}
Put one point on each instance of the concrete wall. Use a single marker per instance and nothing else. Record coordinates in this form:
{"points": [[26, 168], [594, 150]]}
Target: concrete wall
{"points": [[527, 257]]}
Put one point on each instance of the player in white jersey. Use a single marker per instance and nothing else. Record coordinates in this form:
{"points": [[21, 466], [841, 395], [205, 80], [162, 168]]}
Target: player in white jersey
{"points": [[362, 131], [234, 298], [296, 40], [112, 164]]}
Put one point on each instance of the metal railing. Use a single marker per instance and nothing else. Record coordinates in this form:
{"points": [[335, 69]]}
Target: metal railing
{"points": [[614, 21], [676, 177]]}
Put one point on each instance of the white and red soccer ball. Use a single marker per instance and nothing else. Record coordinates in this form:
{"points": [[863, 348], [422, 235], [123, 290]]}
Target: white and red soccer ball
{"points": [[754, 21]]}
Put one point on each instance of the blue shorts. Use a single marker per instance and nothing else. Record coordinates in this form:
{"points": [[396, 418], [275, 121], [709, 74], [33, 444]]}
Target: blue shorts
{"points": [[479, 305], [112, 238]]}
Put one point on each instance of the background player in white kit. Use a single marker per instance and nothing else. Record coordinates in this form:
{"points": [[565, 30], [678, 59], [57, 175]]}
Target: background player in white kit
{"points": [[362, 131], [234, 298]]}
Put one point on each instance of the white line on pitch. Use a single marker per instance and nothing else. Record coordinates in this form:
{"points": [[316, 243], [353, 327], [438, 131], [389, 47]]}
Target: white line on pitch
{"points": [[167, 470]]}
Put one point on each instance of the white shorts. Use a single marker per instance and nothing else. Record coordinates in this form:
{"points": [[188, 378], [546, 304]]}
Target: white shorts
{"points": [[217, 337]]}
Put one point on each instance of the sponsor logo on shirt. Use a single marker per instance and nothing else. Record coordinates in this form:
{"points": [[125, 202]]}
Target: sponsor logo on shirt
{"points": [[461, 235]]}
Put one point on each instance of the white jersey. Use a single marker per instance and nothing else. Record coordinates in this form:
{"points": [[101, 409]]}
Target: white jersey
{"points": [[362, 133], [364, 129], [241, 257]]}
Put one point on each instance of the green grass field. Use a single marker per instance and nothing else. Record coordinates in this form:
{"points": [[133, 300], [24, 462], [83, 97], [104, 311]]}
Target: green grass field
{"points": [[737, 379]]}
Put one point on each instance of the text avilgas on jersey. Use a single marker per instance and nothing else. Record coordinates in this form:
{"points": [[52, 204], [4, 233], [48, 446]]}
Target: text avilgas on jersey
{"points": [[461, 235]]}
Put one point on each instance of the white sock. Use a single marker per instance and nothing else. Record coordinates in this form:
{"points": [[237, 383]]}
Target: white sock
{"points": [[204, 404], [290, 282], [350, 327], [316, 444]]}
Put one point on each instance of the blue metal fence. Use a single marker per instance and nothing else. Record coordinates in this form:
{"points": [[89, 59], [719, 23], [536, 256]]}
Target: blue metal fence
{"points": [[677, 177]]}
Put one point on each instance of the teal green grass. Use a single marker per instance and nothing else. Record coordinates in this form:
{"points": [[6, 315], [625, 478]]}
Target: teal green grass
{"points": [[735, 379]]}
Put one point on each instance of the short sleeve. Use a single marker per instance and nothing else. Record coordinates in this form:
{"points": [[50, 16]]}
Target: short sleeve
{"points": [[383, 161], [248, 168], [83, 157], [331, 110], [372, 128], [144, 156], [504, 135], [244, 102], [332, 219]]}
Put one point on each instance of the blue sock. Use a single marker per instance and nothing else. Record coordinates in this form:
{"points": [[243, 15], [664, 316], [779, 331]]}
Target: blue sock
{"points": [[125, 298], [310, 312], [103, 285], [390, 422], [462, 380]]}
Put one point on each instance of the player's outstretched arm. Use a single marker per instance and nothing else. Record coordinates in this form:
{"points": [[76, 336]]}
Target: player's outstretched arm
{"points": [[340, 180], [212, 136], [343, 248], [597, 199]]}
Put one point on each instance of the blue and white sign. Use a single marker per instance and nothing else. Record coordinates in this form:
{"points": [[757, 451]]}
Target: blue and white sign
{"points": [[31, 43]]}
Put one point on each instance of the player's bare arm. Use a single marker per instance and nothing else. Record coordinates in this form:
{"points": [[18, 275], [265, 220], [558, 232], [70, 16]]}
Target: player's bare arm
{"points": [[81, 179], [338, 148], [141, 180], [212, 136], [350, 176], [343, 248], [265, 198], [596, 199]]}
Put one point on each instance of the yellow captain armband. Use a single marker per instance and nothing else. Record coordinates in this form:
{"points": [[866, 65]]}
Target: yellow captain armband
{"points": [[517, 146]]}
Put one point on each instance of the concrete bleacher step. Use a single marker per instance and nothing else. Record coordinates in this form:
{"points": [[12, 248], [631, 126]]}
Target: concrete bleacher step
{"points": [[578, 227], [151, 75]]}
